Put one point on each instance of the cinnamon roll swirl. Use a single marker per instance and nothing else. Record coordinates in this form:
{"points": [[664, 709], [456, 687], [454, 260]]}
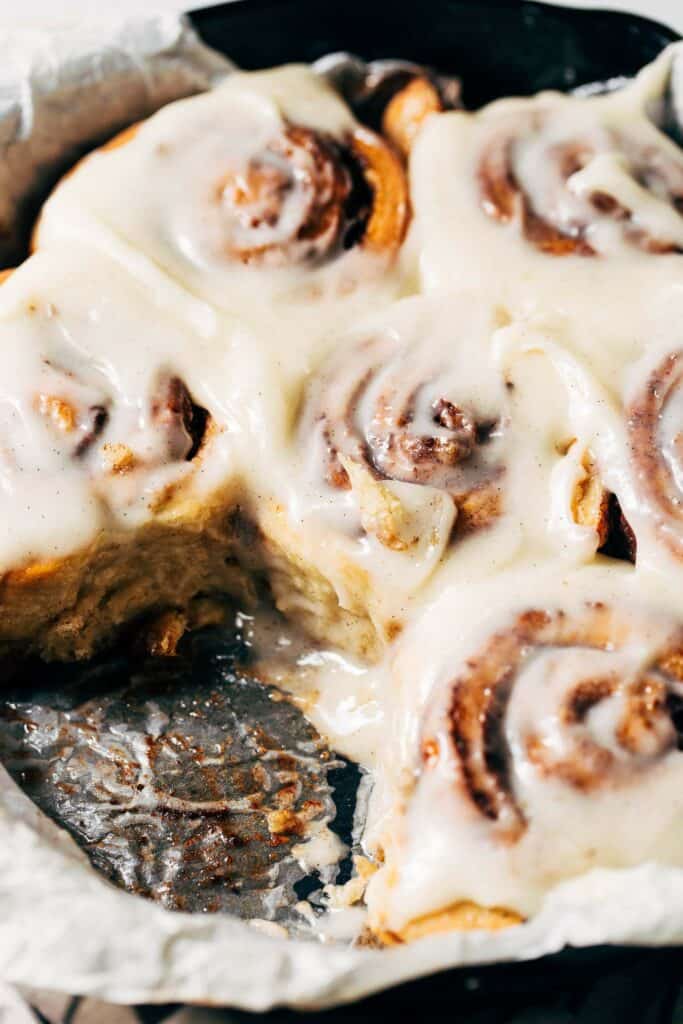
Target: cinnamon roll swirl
{"points": [[398, 452], [541, 750], [268, 183], [644, 726], [117, 482], [166, 427], [571, 188], [134, 449], [413, 407], [655, 425], [592, 179]]}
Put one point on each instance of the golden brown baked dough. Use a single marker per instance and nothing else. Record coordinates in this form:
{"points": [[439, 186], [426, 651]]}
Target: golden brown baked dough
{"points": [[461, 917], [408, 109], [355, 195], [559, 713], [71, 607]]}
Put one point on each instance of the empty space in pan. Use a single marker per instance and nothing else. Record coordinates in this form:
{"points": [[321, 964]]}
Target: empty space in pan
{"points": [[185, 779]]}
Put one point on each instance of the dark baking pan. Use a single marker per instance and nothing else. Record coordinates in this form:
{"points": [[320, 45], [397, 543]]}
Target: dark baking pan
{"points": [[497, 47]]}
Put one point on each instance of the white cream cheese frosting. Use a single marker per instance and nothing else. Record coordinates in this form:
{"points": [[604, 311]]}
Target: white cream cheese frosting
{"points": [[234, 194], [593, 178], [575, 764], [94, 365], [438, 441]]}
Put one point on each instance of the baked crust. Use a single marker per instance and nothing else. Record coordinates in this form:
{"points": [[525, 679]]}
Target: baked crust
{"points": [[461, 917], [70, 607]]}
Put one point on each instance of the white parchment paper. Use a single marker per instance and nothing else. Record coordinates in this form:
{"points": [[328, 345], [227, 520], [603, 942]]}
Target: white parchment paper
{"points": [[63, 89], [62, 926]]}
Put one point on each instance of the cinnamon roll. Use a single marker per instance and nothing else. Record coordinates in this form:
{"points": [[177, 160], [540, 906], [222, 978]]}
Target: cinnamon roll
{"points": [[398, 454], [418, 448], [132, 446], [266, 184], [117, 475], [570, 190], [409, 108], [586, 178], [548, 743]]}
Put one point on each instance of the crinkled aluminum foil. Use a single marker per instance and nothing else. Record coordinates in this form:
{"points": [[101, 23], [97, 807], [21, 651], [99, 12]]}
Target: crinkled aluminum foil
{"points": [[102, 760], [185, 780]]}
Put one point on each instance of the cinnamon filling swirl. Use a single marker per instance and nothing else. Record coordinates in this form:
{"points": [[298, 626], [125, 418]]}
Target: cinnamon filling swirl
{"points": [[572, 192], [410, 106], [655, 426], [612, 716], [306, 197], [73, 414], [172, 430], [407, 425], [182, 422]]}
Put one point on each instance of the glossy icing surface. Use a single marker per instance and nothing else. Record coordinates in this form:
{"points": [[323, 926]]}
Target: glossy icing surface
{"points": [[448, 432]]}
